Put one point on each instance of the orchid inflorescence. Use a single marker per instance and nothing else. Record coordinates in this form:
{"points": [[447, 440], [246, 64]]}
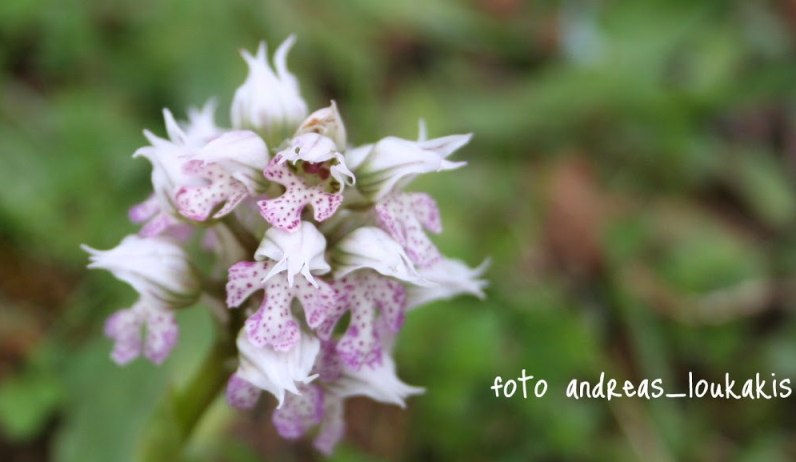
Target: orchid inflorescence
{"points": [[341, 241]]}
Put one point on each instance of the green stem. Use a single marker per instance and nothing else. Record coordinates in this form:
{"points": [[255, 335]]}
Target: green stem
{"points": [[244, 237], [175, 420], [192, 402]]}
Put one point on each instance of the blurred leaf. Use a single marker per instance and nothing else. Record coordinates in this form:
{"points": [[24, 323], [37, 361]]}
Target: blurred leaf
{"points": [[27, 401]]}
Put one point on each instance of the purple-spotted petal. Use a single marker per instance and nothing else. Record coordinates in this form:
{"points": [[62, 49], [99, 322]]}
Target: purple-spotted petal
{"points": [[240, 393], [219, 196], [403, 217], [273, 324], [284, 212], [328, 365], [161, 335], [300, 412], [360, 344], [245, 278], [124, 328], [318, 302], [332, 426]]}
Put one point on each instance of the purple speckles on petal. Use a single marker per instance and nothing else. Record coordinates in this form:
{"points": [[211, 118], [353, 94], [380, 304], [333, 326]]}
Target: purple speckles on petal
{"points": [[328, 365], [284, 212], [318, 302], [240, 393], [299, 412], [403, 217], [365, 292], [244, 278], [426, 211], [273, 324], [159, 336], [391, 298], [218, 197], [124, 328], [332, 426]]}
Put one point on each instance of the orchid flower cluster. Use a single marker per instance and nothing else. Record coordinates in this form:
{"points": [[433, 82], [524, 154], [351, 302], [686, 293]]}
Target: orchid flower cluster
{"points": [[314, 242]]}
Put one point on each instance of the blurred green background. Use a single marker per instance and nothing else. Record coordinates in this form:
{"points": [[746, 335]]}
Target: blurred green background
{"points": [[631, 177]]}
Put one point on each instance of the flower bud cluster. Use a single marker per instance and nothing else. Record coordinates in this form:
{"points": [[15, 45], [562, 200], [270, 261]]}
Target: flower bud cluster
{"points": [[320, 248]]}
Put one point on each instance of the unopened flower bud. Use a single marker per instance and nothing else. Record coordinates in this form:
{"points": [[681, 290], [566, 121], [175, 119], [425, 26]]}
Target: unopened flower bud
{"points": [[269, 101]]}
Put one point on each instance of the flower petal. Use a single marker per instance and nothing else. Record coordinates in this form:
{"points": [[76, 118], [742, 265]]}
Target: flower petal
{"points": [[452, 278], [240, 153], [273, 324], [277, 372], [124, 328], [269, 102], [144, 211], [240, 393], [332, 425], [371, 247], [162, 334], [299, 413], [284, 212], [219, 196], [404, 216], [245, 278], [156, 267], [326, 122], [378, 382], [393, 162], [363, 293], [301, 252]]}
